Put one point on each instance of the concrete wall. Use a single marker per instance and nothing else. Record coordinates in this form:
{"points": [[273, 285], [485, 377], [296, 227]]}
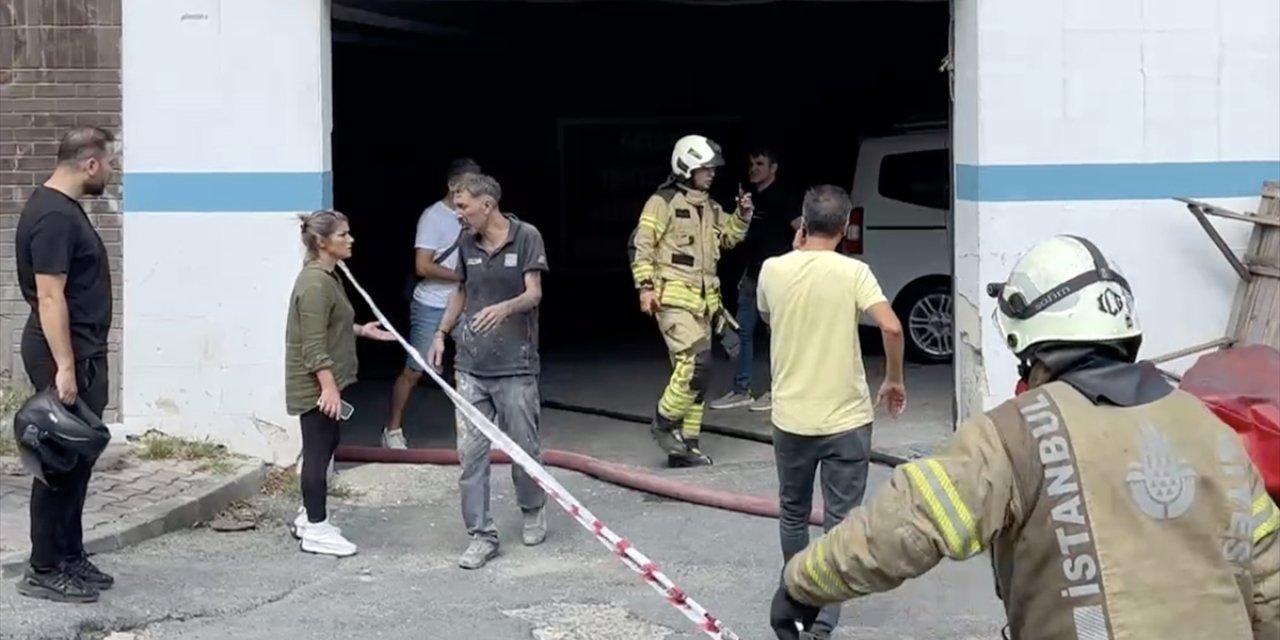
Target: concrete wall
{"points": [[227, 104], [1085, 117], [59, 68]]}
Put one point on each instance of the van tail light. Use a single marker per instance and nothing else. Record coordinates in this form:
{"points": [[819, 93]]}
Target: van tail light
{"points": [[853, 233]]}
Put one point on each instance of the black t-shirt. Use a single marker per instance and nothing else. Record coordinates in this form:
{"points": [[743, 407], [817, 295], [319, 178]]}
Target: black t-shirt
{"points": [[54, 236], [770, 233]]}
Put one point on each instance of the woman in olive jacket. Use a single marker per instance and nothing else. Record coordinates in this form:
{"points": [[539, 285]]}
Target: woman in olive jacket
{"points": [[320, 361]]}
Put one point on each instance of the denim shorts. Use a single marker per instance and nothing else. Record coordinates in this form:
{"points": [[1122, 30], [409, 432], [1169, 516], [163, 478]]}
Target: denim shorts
{"points": [[423, 322]]}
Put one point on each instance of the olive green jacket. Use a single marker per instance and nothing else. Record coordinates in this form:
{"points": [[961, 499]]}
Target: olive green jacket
{"points": [[319, 334]]}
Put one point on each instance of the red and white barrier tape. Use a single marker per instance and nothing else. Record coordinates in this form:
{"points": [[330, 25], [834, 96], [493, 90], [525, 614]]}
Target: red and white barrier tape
{"points": [[629, 555]]}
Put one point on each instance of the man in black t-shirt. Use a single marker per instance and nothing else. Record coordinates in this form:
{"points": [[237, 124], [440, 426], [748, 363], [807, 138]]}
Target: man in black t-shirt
{"points": [[64, 275], [773, 227]]}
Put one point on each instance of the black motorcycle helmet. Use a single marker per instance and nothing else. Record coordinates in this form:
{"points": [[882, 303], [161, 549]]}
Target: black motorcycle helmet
{"points": [[53, 438]]}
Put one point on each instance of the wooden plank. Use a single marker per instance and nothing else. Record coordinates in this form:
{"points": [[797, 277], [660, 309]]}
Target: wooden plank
{"points": [[1255, 317]]}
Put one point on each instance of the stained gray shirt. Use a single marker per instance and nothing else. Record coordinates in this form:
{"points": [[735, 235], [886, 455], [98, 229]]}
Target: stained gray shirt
{"points": [[511, 348]]}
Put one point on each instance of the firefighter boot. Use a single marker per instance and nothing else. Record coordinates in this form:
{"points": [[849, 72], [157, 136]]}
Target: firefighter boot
{"points": [[668, 434], [691, 456]]}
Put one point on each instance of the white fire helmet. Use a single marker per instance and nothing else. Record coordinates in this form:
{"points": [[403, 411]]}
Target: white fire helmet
{"points": [[1064, 290], [695, 152]]}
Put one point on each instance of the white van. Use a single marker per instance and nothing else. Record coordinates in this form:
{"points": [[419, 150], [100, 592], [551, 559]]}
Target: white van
{"points": [[900, 227]]}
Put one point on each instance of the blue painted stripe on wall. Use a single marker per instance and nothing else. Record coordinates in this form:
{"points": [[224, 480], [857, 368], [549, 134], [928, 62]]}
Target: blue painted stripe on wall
{"points": [[227, 192], [1154, 181]]}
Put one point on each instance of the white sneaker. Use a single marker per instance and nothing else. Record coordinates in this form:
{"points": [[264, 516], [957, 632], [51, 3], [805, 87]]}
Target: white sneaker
{"points": [[301, 522], [394, 439], [324, 538]]}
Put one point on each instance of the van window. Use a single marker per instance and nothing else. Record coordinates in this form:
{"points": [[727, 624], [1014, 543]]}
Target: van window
{"points": [[922, 178]]}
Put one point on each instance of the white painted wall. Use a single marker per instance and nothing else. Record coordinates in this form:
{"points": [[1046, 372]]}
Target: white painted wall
{"points": [[1102, 82], [227, 120]]}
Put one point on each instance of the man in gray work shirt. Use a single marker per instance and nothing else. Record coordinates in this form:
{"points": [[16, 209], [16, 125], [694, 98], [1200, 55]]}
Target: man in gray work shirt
{"points": [[493, 319]]}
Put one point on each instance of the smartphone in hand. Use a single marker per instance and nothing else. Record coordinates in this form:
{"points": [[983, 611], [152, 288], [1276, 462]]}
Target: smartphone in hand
{"points": [[346, 411]]}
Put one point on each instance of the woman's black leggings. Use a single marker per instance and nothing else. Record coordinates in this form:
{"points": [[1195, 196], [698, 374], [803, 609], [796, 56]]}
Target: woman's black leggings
{"points": [[320, 436]]}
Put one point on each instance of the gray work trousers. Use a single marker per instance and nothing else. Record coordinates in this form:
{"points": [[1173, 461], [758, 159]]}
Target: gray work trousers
{"points": [[512, 403], [842, 462]]}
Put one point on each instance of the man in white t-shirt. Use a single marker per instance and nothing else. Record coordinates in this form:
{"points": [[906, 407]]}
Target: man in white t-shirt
{"points": [[434, 256]]}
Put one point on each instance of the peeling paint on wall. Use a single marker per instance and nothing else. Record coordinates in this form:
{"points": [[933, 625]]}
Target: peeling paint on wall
{"points": [[971, 371]]}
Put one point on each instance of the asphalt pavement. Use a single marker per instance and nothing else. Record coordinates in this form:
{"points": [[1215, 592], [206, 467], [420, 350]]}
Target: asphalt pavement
{"points": [[405, 583]]}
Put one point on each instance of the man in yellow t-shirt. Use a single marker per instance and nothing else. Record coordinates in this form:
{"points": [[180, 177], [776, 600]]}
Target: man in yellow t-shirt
{"points": [[812, 299]]}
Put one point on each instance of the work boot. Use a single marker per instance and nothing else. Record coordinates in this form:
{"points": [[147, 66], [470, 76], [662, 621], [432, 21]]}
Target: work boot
{"points": [[691, 456], [478, 553], [535, 527], [89, 573], [394, 439], [668, 434], [57, 585]]}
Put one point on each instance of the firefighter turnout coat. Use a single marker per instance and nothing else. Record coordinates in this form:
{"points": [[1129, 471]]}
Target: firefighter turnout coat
{"points": [[676, 247], [1102, 522]]}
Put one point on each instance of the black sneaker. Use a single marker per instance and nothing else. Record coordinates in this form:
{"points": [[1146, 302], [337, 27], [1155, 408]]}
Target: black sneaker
{"points": [[89, 572], [56, 585]]}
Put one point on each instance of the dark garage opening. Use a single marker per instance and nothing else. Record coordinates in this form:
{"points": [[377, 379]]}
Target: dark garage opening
{"points": [[574, 108]]}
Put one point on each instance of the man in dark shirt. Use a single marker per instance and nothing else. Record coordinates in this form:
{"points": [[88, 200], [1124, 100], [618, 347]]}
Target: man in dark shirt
{"points": [[493, 319], [773, 226], [64, 275]]}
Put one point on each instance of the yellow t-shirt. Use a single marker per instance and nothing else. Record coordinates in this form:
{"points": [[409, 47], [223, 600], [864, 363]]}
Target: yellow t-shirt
{"points": [[814, 300]]}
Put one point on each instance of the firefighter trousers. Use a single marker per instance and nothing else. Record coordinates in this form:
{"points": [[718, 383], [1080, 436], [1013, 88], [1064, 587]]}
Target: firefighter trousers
{"points": [[688, 338]]}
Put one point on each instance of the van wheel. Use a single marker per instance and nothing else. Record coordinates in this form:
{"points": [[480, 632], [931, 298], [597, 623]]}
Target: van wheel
{"points": [[926, 311]]}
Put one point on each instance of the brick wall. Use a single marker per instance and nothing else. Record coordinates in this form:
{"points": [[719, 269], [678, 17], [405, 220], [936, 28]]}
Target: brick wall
{"points": [[59, 68]]}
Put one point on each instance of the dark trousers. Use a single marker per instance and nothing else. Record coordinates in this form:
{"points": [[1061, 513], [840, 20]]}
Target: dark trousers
{"points": [[320, 437], [748, 317], [841, 461], [57, 508]]}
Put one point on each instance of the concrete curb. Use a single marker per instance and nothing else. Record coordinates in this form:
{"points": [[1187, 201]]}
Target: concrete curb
{"points": [[180, 512]]}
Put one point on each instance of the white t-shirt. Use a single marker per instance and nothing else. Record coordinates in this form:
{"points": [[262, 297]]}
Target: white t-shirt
{"points": [[438, 229]]}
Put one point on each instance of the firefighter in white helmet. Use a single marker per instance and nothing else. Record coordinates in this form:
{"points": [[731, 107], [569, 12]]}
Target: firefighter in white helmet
{"points": [[1112, 504], [674, 252]]}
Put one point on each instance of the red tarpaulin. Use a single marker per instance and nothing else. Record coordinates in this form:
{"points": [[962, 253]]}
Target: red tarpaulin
{"points": [[1242, 387]]}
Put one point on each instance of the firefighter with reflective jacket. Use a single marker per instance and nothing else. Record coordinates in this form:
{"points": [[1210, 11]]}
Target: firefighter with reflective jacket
{"points": [[1113, 505], [674, 252]]}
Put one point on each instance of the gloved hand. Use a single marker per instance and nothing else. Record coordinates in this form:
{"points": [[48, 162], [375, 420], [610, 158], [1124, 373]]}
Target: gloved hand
{"points": [[785, 612], [732, 345]]}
